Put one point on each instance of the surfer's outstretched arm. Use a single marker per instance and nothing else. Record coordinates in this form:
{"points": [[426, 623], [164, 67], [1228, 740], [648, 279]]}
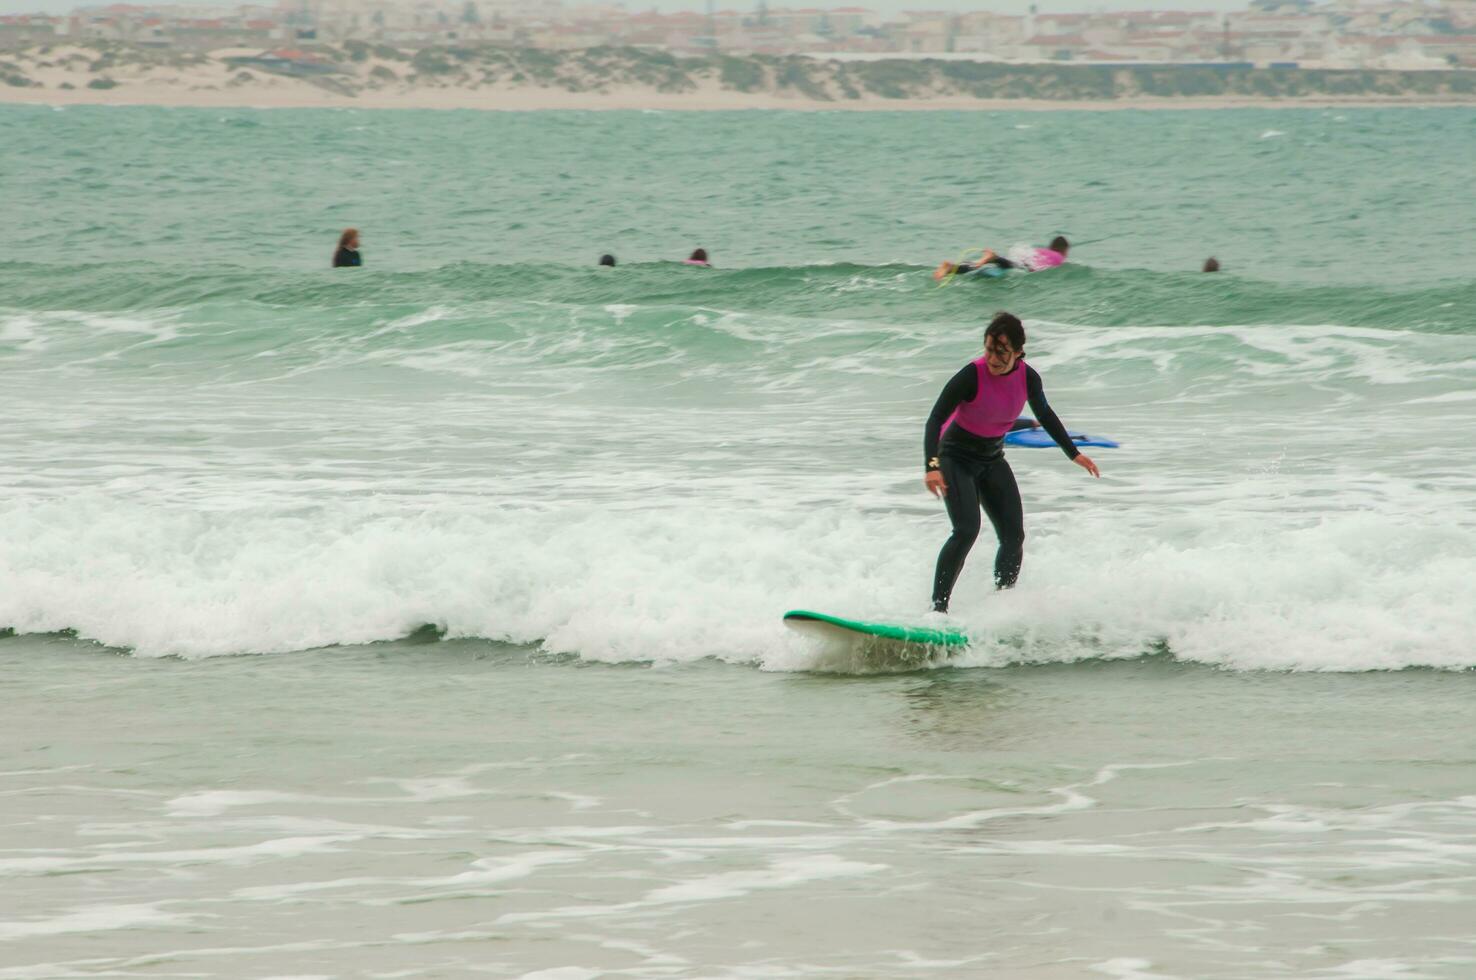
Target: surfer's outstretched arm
{"points": [[1046, 416]]}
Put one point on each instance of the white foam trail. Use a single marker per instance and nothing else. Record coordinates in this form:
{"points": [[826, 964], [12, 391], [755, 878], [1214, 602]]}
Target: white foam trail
{"points": [[781, 873], [212, 803], [485, 871], [287, 847], [1129, 968], [21, 330], [92, 918], [1449, 396]]}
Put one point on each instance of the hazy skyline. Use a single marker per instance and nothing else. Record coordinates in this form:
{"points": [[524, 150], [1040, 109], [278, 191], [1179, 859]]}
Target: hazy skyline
{"points": [[881, 6]]}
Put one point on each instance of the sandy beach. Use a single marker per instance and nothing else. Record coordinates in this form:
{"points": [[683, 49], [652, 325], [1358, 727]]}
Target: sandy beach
{"points": [[80, 75]]}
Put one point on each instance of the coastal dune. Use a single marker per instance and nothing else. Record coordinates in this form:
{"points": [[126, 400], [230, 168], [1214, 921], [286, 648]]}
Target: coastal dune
{"points": [[361, 74]]}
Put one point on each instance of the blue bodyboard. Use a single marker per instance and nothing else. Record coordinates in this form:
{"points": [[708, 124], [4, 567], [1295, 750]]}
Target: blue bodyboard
{"points": [[1032, 436]]}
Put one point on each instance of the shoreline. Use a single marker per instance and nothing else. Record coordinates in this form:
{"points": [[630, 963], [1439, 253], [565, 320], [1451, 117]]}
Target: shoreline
{"points": [[537, 99]]}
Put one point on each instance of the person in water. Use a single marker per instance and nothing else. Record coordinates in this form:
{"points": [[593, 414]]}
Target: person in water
{"points": [[963, 445], [348, 249], [1034, 260], [1211, 264], [607, 259], [698, 257]]}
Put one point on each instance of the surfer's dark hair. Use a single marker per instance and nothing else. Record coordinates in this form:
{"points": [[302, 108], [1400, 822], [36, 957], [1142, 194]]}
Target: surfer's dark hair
{"points": [[1060, 244], [698, 255], [1008, 326], [607, 259]]}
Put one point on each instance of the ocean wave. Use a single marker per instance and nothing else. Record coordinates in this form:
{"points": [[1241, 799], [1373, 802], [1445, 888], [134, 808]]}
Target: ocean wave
{"points": [[1350, 592], [887, 293], [685, 354]]}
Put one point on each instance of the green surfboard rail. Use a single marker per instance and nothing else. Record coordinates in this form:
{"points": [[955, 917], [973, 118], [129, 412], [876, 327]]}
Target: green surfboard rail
{"points": [[922, 635]]}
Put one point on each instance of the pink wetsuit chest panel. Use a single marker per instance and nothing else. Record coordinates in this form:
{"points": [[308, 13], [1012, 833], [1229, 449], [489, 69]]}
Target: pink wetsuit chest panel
{"points": [[994, 409]]}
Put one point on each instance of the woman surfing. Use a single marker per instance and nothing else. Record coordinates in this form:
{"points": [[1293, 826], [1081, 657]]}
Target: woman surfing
{"points": [[964, 448]]}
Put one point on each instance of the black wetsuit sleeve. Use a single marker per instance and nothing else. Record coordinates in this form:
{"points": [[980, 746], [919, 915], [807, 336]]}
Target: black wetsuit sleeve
{"points": [[1045, 415], [962, 387]]}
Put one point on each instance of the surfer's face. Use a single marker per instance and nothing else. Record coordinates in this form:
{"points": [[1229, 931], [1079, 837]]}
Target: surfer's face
{"points": [[999, 355]]}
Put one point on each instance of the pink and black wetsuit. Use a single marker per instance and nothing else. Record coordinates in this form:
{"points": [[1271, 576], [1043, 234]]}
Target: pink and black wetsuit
{"points": [[1034, 261], [964, 440], [1043, 258]]}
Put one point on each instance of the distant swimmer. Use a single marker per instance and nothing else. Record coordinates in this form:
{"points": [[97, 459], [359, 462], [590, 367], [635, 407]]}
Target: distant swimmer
{"points": [[1211, 264], [607, 259], [1034, 260], [963, 445], [348, 249], [698, 257]]}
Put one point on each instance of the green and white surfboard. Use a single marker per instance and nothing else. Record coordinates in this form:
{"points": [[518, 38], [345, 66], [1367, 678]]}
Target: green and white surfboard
{"points": [[837, 628]]}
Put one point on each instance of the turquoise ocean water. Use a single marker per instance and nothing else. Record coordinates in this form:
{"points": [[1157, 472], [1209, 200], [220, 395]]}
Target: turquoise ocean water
{"points": [[423, 619]]}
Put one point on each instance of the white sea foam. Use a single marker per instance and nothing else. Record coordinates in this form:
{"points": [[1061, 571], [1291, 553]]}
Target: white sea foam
{"points": [[786, 872], [75, 338], [1129, 968], [483, 872], [283, 848], [1346, 592], [212, 803], [781, 874], [92, 918], [20, 330], [429, 315], [1449, 396]]}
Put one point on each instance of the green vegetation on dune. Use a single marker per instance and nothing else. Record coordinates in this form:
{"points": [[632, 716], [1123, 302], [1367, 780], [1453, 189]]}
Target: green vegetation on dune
{"points": [[891, 79], [742, 74], [799, 76], [905, 79], [12, 75]]}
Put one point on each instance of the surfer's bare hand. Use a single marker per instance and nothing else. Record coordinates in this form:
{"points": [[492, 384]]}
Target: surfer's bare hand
{"points": [[1085, 462], [935, 484]]}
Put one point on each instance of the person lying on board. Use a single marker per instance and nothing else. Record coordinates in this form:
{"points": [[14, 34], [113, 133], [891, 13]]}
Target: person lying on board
{"points": [[1034, 260]]}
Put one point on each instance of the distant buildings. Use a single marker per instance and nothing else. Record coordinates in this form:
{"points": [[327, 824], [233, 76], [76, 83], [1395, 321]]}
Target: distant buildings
{"points": [[1336, 34]]}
